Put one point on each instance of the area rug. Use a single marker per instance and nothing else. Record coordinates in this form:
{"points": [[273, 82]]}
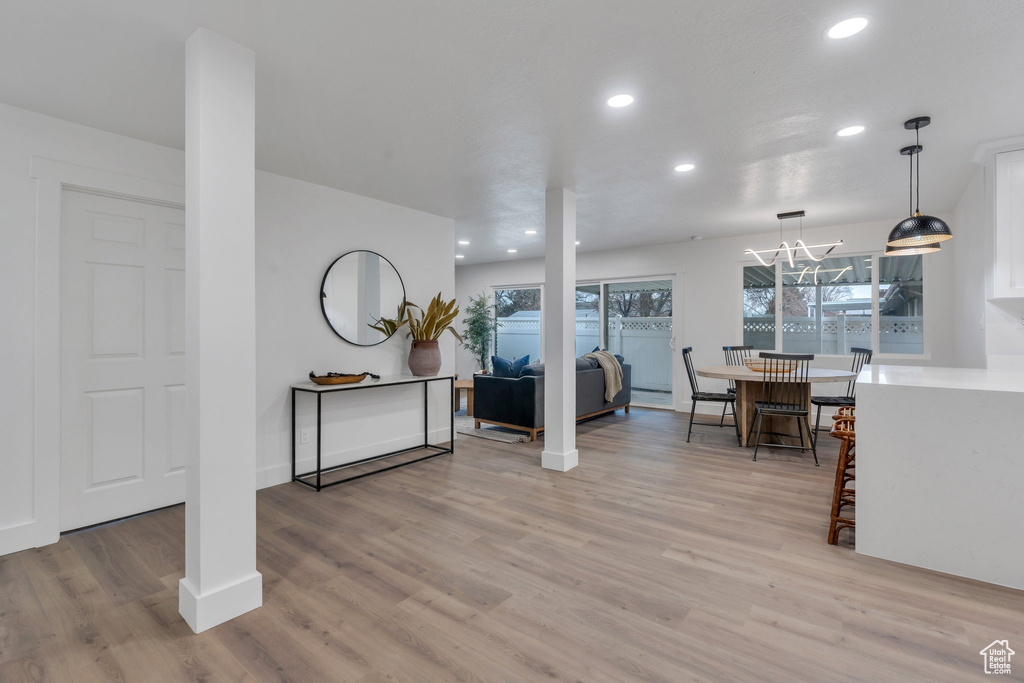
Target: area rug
{"points": [[465, 425]]}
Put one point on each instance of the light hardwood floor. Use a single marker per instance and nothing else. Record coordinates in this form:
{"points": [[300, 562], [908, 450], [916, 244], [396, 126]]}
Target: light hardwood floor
{"points": [[654, 560]]}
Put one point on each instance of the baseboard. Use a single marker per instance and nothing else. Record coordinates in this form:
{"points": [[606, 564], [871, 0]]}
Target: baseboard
{"points": [[274, 475], [561, 462], [205, 611], [24, 535]]}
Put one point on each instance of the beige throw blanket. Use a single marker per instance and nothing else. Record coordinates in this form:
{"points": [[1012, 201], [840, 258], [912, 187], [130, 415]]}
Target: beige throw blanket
{"points": [[612, 372]]}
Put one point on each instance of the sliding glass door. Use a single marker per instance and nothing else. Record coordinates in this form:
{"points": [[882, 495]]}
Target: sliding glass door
{"points": [[632, 318], [638, 325]]}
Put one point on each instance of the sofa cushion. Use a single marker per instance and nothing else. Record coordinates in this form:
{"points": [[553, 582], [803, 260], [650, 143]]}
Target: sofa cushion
{"points": [[621, 359], [508, 368], [535, 370], [582, 364]]}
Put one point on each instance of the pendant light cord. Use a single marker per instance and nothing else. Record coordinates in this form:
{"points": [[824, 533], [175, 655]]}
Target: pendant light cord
{"points": [[910, 194], [917, 129]]}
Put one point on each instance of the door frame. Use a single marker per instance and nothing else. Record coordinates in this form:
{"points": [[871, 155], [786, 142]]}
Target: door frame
{"points": [[52, 178]]}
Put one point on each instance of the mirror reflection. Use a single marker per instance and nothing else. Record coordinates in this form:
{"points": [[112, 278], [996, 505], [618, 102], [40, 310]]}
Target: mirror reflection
{"points": [[357, 289]]}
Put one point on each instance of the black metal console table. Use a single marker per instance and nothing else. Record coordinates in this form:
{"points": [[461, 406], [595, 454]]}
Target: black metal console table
{"points": [[392, 381]]}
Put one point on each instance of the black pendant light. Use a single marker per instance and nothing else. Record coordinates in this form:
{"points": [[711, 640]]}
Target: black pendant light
{"points": [[918, 231], [910, 251]]}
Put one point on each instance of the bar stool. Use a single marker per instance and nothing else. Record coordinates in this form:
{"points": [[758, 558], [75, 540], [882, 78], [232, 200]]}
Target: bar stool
{"points": [[844, 494], [860, 358]]}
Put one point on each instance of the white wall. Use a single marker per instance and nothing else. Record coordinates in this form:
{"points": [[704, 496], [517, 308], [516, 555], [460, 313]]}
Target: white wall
{"points": [[992, 335], [970, 255], [300, 228], [707, 296]]}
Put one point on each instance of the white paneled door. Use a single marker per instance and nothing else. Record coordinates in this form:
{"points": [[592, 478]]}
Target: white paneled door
{"points": [[122, 358]]}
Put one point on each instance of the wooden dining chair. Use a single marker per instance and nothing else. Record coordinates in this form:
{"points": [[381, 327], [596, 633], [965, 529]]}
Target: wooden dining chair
{"points": [[709, 397], [783, 390], [734, 355], [861, 357]]}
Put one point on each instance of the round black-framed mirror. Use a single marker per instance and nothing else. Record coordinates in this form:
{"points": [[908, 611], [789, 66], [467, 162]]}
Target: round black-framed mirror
{"points": [[359, 288]]}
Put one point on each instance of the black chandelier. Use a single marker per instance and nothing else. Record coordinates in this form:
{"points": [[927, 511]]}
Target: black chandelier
{"points": [[918, 234]]}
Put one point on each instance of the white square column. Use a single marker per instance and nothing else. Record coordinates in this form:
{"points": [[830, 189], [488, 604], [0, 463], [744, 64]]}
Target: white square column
{"points": [[560, 331], [221, 581]]}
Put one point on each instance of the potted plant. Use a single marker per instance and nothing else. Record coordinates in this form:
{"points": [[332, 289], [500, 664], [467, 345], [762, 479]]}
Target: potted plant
{"points": [[480, 328], [425, 328]]}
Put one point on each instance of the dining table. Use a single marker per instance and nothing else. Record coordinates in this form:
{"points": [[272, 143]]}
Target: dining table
{"points": [[750, 385]]}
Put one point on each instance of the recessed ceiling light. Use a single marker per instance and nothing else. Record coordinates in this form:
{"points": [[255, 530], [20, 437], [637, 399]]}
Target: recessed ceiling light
{"points": [[847, 28], [464, 242], [620, 101], [577, 243], [511, 251], [849, 130], [531, 232], [459, 256], [683, 168]]}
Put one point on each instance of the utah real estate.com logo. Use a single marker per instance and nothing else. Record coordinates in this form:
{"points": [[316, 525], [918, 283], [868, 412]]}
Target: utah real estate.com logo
{"points": [[997, 657]]}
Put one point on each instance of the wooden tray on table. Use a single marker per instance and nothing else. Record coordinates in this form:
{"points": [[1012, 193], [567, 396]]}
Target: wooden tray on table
{"points": [[337, 378]]}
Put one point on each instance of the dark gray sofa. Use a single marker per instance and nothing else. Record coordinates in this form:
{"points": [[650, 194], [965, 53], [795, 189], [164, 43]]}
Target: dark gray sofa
{"points": [[519, 402]]}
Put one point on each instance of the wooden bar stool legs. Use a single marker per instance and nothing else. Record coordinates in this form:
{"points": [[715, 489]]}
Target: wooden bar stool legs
{"points": [[844, 493]]}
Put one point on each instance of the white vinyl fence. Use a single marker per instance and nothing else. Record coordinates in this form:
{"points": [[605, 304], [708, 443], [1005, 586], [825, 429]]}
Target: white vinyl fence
{"points": [[643, 342], [897, 334]]}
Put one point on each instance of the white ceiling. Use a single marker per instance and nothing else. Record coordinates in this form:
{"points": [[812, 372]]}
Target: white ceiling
{"points": [[471, 108]]}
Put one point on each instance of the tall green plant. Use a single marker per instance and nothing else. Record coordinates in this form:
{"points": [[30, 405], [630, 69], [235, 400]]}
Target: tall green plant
{"points": [[424, 325], [480, 327]]}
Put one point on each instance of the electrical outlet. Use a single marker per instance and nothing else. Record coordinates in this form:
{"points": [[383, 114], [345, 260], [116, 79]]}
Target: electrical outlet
{"points": [[304, 436]]}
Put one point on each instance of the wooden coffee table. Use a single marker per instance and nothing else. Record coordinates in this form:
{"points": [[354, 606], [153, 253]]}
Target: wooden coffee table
{"points": [[467, 385]]}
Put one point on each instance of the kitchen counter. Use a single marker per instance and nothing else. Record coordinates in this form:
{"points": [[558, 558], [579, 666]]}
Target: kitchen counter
{"points": [[940, 470], [978, 379]]}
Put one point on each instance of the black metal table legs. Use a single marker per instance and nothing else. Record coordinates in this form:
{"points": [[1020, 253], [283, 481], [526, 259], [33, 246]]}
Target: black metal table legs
{"points": [[318, 473]]}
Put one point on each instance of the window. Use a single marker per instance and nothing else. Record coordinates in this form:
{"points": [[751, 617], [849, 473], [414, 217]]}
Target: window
{"points": [[759, 307], [901, 304], [827, 306], [518, 315]]}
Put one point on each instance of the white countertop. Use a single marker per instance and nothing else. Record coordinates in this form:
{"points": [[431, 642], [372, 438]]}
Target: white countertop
{"points": [[975, 379]]}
